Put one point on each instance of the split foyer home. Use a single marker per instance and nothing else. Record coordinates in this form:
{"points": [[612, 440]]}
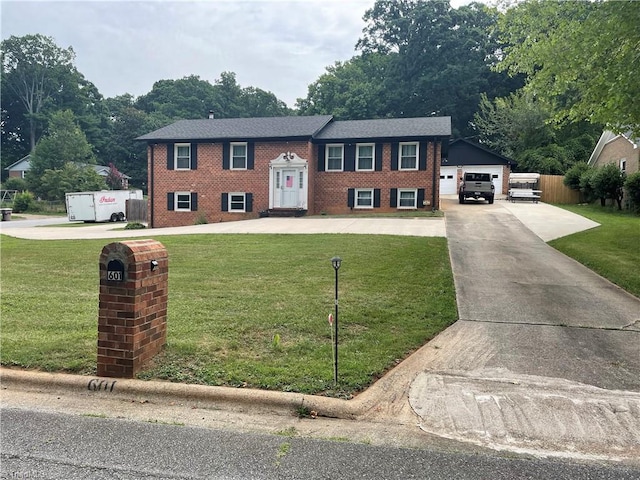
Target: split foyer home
{"points": [[241, 168]]}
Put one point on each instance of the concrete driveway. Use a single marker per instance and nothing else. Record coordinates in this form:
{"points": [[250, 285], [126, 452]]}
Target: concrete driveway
{"points": [[546, 354]]}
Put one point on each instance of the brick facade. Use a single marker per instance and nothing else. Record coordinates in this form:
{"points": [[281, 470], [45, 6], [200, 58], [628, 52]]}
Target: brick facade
{"points": [[326, 191], [617, 149], [132, 318]]}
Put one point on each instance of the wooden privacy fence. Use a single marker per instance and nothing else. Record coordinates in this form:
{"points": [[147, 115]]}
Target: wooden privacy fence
{"points": [[136, 210], [554, 191]]}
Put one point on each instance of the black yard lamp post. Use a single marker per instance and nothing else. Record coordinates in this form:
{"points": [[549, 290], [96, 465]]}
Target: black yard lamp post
{"points": [[335, 262]]}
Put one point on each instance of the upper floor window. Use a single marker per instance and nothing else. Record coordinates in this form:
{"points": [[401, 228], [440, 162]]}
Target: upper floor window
{"points": [[623, 165], [335, 158], [364, 157], [408, 156], [238, 156], [183, 156]]}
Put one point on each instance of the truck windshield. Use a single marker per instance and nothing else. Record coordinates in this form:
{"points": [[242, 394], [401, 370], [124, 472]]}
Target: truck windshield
{"points": [[477, 177]]}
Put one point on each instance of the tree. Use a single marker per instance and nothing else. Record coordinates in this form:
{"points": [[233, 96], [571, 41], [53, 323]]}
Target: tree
{"points": [[72, 177], [351, 90], [439, 58], [192, 97], [189, 97], [64, 143], [572, 177], [30, 67], [114, 178], [519, 126], [607, 182], [513, 124], [582, 57], [632, 186]]}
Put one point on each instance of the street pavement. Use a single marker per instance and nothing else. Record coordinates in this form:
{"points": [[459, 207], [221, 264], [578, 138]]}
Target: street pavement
{"points": [[54, 446], [544, 360]]}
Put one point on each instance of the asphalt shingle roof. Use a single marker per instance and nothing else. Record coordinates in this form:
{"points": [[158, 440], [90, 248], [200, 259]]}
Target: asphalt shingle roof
{"points": [[386, 128], [319, 127], [240, 128]]}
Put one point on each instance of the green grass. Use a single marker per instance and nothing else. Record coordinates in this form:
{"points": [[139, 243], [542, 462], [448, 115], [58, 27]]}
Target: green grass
{"points": [[611, 250], [229, 296]]}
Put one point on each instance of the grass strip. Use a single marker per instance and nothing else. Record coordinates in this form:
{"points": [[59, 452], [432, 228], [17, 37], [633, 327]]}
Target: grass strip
{"points": [[611, 250]]}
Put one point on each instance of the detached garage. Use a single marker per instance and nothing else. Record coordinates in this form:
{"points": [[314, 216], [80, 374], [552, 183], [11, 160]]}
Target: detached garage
{"points": [[467, 156]]}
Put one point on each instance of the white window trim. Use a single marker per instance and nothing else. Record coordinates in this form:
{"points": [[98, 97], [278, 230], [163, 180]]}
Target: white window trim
{"points": [[415, 197], [373, 157], [244, 202], [355, 198], [175, 202], [175, 155], [417, 158], [246, 154], [326, 157]]}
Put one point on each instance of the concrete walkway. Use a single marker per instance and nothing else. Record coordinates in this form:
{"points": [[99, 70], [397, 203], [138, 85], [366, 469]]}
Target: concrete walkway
{"points": [[420, 227]]}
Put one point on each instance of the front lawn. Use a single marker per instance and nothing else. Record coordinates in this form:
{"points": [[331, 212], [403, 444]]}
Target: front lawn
{"points": [[611, 250], [244, 310]]}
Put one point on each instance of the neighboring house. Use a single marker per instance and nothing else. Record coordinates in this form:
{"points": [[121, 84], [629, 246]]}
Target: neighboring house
{"points": [[471, 157], [620, 149], [240, 168], [19, 168]]}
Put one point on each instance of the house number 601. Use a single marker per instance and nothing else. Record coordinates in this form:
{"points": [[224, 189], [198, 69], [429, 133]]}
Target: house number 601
{"points": [[114, 276]]}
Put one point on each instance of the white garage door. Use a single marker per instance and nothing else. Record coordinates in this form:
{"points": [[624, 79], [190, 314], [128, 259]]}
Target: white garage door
{"points": [[448, 184], [495, 171]]}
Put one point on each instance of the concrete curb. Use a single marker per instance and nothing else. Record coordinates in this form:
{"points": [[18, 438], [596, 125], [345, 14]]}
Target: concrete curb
{"points": [[116, 387]]}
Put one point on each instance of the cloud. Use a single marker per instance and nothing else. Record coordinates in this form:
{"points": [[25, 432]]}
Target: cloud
{"points": [[124, 47]]}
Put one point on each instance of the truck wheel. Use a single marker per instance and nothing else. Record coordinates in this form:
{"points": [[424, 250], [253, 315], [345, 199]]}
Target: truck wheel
{"points": [[490, 200], [114, 217], [121, 217]]}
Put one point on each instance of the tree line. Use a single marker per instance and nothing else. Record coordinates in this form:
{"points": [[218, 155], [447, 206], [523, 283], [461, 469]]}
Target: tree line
{"points": [[536, 82]]}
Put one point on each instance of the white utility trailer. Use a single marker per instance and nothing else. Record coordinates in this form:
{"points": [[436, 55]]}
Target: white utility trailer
{"points": [[102, 206]]}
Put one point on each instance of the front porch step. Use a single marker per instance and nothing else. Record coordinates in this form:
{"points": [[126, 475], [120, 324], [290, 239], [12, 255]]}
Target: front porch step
{"points": [[283, 212]]}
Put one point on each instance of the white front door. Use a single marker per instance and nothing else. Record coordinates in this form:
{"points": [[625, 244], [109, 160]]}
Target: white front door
{"points": [[289, 191]]}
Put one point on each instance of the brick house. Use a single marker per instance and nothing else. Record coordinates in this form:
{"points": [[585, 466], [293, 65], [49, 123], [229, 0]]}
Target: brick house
{"points": [[242, 168], [621, 150]]}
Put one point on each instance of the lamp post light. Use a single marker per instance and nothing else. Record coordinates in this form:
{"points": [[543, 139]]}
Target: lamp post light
{"points": [[335, 262]]}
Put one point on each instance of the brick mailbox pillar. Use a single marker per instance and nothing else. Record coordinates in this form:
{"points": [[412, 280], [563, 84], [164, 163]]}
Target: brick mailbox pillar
{"points": [[132, 319]]}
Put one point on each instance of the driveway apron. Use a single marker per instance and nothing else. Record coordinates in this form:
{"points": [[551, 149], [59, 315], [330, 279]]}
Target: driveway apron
{"points": [[546, 354]]}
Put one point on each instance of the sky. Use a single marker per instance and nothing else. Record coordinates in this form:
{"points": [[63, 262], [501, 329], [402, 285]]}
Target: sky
{"points": [[126, 46]]}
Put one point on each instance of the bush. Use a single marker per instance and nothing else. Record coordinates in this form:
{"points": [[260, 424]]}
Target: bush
{"points": [[632, 185], [15, 183], [134, 226], [201, 220], [23, 202], [572, 177], [586, 185], [607, 183]]}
